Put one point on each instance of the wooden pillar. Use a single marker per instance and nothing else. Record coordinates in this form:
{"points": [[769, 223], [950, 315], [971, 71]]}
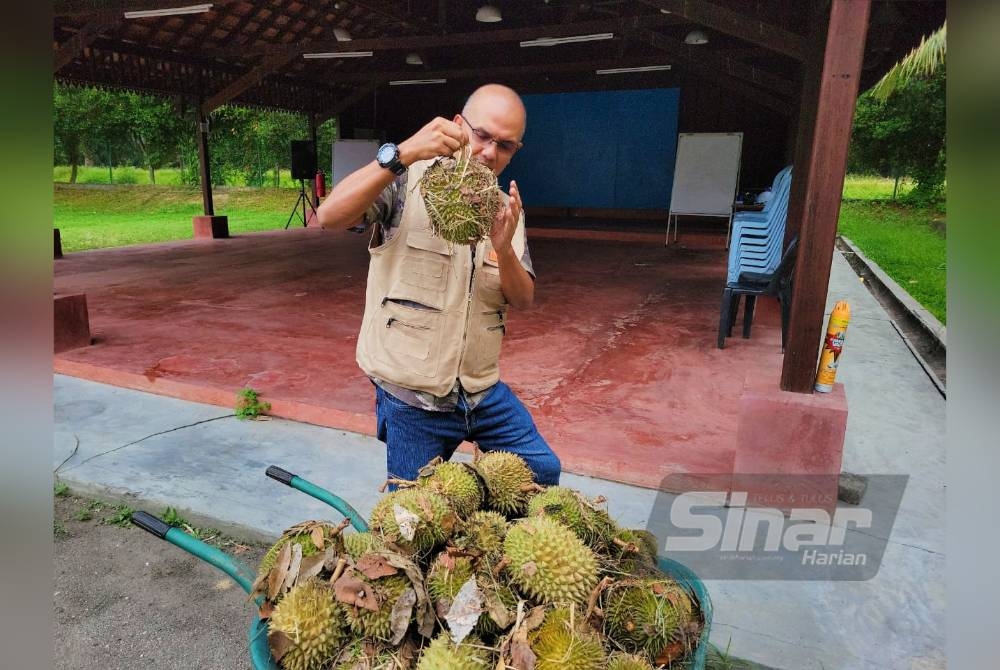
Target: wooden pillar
{"points": [[829, 92], [205, 166]]}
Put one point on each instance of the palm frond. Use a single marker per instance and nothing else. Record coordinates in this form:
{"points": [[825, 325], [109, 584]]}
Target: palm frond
{"points": [[920, 62]]}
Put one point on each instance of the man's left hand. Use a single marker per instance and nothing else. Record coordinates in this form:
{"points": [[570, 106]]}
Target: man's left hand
{"points": [[505, 223]]}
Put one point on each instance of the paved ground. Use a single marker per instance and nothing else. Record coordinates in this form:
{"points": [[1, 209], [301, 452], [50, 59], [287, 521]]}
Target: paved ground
{"points": [[155, 451], [123, 599]]}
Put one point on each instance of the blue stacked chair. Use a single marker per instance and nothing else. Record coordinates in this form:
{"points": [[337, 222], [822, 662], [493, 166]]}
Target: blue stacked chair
{"points": [[757, 263]]}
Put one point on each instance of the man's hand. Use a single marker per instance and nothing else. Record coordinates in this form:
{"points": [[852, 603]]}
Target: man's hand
{"points": [[440, 137], [505, 223]]}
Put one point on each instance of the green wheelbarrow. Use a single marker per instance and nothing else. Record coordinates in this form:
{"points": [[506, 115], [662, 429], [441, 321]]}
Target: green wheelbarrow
{"points": [[260, 652]]}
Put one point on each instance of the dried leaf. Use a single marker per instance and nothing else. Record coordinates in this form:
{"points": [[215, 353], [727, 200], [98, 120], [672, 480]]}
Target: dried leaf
{"points": [[353, 591], [293, 567], [266, 610], [497, 610], [529, 568], [521, 656], [374, 566], [279, 643], [425, 612], [277, 575], [465, 610], [534, 618], [318, 538], [406, 520], [311, 566], [399, 617], [330, 559]]}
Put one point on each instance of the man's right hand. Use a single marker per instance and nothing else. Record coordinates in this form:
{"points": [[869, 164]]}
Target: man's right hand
{"points": [[440, 137]]}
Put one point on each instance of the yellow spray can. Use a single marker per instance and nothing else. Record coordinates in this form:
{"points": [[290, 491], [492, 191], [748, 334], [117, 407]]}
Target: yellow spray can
{"points": [[833, 344]]}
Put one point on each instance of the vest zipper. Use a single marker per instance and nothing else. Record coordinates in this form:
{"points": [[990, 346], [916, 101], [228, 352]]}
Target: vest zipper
{"points": [[468, 313], [392, 320]]}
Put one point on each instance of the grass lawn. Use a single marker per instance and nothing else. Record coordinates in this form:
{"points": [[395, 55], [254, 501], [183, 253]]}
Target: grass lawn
{"points": [[131, 175], [900, 239], [94, 217]]}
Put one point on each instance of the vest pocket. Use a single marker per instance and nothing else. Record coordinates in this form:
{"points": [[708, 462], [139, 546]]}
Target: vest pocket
{"points": [[489, 289], [482, 355], [407, 338]]}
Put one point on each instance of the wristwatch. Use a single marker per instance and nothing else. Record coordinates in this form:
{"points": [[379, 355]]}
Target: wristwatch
{"points": [[388, 158]]}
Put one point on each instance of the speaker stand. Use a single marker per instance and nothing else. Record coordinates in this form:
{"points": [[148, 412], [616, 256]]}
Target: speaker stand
{"points": [[303, 200]]}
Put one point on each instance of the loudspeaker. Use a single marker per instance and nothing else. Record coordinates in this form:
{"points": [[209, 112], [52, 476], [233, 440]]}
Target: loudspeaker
{"points": [[303, 159]]}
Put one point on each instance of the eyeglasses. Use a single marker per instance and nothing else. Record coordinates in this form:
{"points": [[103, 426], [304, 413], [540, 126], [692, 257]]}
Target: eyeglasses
{"points": [[505, 146]]}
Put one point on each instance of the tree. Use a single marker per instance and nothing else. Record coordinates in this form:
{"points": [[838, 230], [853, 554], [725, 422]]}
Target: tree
{"points": [[904, 135], [921, 62]]}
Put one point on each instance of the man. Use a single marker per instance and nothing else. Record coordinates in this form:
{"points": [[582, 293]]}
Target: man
{"points": [[434, 311]]}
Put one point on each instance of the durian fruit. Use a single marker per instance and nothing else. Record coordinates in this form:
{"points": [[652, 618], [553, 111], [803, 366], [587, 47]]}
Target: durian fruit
{"points": [[443, 654], [548, 562], [461, 196], [571, 509], [358, 544], [647, 615], [457, 482], [565, 641], [446, 577], [622, 661], [311, 619], [509, 482], [632, 553], [300, 534], [482, 534], [377, 625], [424, 520]]}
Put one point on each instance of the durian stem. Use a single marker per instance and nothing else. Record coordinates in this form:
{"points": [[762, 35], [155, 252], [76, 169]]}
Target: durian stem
{"points": [[339, 570], [630, 547], [504, 562], [595, 596]]}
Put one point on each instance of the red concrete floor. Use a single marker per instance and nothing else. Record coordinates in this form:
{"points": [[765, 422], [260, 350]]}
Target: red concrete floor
{"points": [[617, 360]]}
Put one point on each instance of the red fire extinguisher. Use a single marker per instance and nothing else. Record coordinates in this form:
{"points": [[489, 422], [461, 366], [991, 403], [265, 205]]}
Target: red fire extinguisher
{"points": [[320, 185]]}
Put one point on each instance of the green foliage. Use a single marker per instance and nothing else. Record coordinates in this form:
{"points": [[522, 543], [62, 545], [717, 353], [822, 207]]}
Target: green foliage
{"points": [[902, 241], [922, 61], [122, 516], [904, 135], [84, 514], [248, 147], [248, 404], [60, 489], [172, 518]]}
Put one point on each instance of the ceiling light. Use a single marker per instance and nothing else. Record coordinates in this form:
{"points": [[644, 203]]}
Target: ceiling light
{"points": [[488, 14], [170, 11], [410, 82], [696, 37], [553, 41], [342, 35], [644, 68], [413, 58], [339, 54]]}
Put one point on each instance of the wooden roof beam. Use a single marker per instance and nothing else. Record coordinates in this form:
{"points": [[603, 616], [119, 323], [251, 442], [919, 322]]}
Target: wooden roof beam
{"points": [[84, 7], [721, 64], [359, 94], [737, 24], [254, 77], [84, 37], [391, 11]]}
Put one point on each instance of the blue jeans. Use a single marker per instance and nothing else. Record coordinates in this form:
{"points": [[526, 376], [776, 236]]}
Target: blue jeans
{"points": [[414, 436]]}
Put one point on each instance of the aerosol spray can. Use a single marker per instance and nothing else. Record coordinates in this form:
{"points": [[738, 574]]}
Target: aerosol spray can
{"points": [[833, 344]]}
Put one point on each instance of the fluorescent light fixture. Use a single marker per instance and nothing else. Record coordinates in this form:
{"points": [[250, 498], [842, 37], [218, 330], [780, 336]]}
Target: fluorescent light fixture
{"points": [[488, 14], [553, 41], [339, 54], [413, 58], [644, 68], [342, 35], [169, 11], [411, 82], [696, 37]]}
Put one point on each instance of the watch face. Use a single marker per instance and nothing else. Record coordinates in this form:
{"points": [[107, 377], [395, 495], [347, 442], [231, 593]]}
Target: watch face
{"points": [[386, 153]]}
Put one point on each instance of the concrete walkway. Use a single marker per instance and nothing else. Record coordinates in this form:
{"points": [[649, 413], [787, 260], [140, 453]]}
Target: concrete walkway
{"points": [[154, 451]]}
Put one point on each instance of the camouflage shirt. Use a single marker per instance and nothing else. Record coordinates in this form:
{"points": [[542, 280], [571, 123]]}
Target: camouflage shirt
{"points": [[386, 211]]}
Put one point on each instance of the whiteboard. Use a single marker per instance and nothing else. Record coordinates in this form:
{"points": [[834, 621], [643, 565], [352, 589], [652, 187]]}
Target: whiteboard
{"points": [[350, 155], [706, 173]]}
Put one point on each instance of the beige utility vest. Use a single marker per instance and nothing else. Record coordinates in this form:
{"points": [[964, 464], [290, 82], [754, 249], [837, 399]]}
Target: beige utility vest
{"points": [[458, 333]]}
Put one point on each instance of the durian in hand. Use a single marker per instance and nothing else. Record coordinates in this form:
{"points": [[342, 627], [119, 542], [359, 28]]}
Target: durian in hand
{"points": [[510, 484], [548, 562], [565, 642], [312, 622]]}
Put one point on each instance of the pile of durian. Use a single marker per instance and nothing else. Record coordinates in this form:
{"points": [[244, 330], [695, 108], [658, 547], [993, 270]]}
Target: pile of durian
{"points": [[475, 567]]}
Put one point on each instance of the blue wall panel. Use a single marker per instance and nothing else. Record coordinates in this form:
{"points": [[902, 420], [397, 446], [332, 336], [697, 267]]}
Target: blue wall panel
{"points": [[612, 149]]}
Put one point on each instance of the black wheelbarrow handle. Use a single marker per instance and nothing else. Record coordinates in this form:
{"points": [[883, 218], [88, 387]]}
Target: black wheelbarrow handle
{"points": [[336, 502]]}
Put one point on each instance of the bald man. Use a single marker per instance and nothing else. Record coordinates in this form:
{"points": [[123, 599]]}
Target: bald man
{"points": [[435, 313]]}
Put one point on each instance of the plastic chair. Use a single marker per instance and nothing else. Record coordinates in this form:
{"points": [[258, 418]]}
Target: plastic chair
{"points": [[757, 237], [752, 284]]}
